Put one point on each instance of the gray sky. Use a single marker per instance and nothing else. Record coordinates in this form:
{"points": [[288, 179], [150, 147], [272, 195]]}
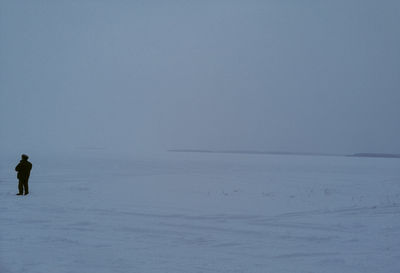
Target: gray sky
{"points": [[315, 76]]}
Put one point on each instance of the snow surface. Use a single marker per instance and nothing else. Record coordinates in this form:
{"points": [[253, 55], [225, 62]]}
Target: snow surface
{"points": [[193, 212]]}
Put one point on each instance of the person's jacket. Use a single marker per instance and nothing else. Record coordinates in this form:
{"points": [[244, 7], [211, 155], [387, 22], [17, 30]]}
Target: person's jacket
{"points": [[24, 169]]}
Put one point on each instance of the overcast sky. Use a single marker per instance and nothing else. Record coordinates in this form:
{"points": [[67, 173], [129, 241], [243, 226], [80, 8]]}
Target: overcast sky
{"points": [[303, 76]]}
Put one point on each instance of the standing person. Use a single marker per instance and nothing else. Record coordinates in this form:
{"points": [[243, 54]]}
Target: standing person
{"points": [[24, 170]]}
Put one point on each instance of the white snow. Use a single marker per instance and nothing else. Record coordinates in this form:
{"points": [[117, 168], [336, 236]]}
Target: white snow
{"points": [[195, 212]]}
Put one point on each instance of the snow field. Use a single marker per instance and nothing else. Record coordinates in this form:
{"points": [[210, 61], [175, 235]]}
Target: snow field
{"points": [[191, 212]]}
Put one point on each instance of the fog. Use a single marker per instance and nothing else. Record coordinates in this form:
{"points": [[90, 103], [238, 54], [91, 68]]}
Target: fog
{"points": [[129, 76]]}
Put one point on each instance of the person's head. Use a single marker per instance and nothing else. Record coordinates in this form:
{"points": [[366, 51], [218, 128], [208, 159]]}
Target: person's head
{"points": [[24, 157]]}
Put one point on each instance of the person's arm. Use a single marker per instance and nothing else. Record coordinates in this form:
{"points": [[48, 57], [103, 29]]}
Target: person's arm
{"points": [[18, 167]]}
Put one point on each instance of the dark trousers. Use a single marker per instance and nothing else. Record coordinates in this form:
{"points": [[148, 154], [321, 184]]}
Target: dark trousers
{"points": [[23, 185]]}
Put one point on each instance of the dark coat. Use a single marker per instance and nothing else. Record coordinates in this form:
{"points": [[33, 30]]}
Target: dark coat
{"points": [[24, 169]]}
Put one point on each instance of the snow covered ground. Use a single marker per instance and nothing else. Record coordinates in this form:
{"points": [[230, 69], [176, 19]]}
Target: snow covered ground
{"points": [[198, 212]]}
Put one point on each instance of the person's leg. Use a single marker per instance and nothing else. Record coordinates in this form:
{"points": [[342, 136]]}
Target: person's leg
{"points": [[20, 187], [26, 187]]}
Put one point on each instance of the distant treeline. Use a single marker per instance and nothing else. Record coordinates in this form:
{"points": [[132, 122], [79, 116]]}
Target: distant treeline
{"points": [[247, 152], [376, 155]]}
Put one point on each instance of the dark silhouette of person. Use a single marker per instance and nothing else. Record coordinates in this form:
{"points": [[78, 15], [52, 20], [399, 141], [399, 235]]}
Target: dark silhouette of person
{"points": [[24, 170]]}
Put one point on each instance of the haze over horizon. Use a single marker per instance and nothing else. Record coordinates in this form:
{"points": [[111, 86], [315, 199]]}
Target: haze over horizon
{"points": [[127, 76]]}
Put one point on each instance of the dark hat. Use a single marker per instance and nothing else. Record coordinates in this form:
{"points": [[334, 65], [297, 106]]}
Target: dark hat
{"points": [[24, 156]]}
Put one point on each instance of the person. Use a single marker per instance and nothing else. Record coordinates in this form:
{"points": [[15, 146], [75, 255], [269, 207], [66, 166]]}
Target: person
{"points": [[24, 170]]}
